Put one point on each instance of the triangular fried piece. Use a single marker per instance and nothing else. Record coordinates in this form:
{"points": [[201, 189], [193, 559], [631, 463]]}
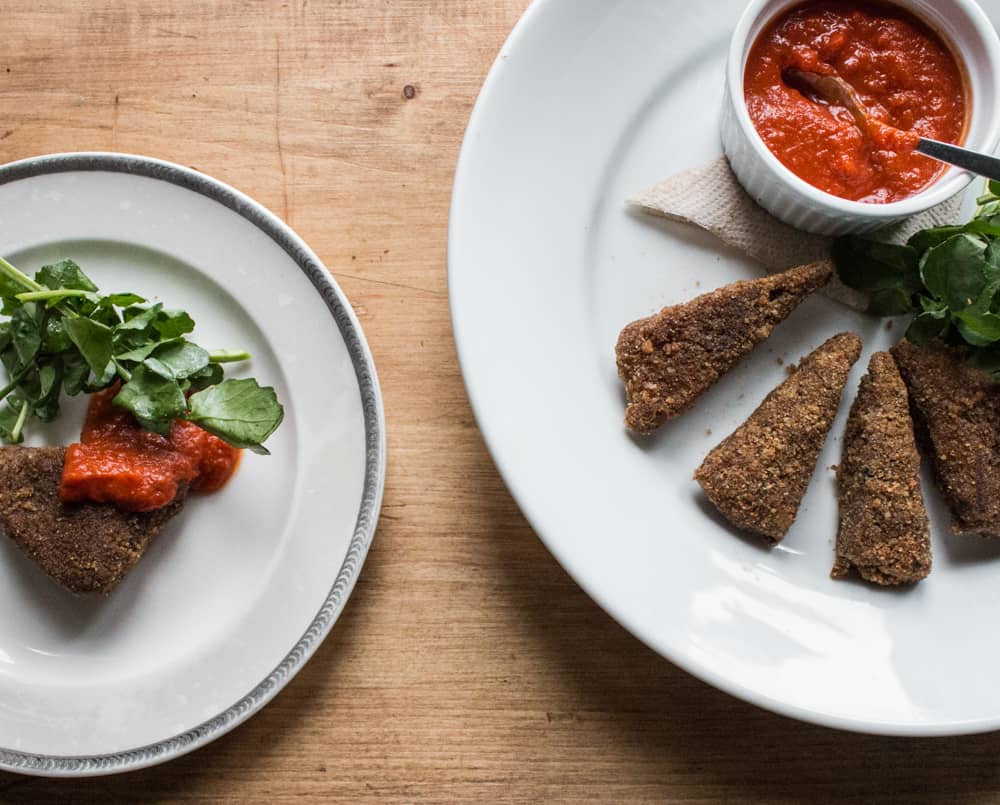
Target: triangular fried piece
{"points": [[957, 412], [884, 532], [758, 476], [668, 360], [88, 547]]}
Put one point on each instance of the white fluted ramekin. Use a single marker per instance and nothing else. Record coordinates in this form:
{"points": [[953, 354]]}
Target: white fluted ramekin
{"points": [[964, 27]]}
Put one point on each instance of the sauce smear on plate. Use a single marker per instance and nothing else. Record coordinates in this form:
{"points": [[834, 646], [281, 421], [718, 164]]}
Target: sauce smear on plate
{"points": [[120, 462], [907, 78]]}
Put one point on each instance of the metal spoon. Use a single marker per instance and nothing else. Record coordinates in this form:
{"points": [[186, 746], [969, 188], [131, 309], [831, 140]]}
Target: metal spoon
{"points": [[835, 90]]}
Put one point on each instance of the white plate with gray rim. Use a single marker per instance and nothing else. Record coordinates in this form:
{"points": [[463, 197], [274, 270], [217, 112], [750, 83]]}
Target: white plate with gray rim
{"points": [[589, 102], [241, 588]]}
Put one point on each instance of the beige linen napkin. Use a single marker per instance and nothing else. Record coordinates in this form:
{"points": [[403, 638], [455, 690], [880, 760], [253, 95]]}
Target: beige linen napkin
{"points": [[711, 198]]}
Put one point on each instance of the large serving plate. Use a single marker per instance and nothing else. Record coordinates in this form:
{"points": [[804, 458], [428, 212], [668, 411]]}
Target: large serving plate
{"points": [[236, 595], [589, 102]]}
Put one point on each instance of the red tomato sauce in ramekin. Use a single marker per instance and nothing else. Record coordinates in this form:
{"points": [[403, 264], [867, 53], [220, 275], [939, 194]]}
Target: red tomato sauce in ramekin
{"points": [[904, 73]]}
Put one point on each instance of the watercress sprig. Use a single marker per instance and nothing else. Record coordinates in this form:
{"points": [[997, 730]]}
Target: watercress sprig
{"points": [[63, 337], [946, 277]]}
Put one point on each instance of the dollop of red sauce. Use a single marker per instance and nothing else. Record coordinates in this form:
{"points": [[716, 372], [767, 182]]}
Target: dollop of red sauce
{"points": [[908, 79], [119, 462]]}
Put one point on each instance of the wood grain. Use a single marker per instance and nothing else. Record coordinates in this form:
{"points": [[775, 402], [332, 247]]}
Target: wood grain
{"points": [[467, 665]]}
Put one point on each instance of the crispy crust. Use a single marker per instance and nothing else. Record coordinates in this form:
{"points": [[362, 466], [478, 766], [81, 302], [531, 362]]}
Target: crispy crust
{"points": [[758, 476], [87, 548], [884, 531], [668, 360], [957, 413]]}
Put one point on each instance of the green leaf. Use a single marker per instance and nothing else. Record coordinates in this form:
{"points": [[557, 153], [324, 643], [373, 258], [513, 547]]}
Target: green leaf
{"points": [[239, 412], [929, 305], [929, 238], [955, 271], [46, 405], [868, 265], [120, 300], [991, 271], [140, 318], [986, 358], [25, 333], [177, 360], [211, 375], [9, 288], [101, 381], [75, 373], [30, 385], [140, 353], [989, 213], [988, 202], [11, 362], [153, 400], [64, 274], [127, 341], [980, 330], [55, 338], [48, 375], [93, 339], [992, 257], [986, 298], [108, 316], [927, 326], [989, 227], [890, 302], [173, 323]]}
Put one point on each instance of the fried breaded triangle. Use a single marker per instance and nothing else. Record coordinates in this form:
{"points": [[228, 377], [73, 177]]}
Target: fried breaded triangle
{"points": [[956, 409], [88, 547], [758, 476], [668, 360], [884, 531]]}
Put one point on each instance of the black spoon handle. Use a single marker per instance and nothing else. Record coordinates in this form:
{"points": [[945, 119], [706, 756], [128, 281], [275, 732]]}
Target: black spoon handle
{"points": [[982, 164]]}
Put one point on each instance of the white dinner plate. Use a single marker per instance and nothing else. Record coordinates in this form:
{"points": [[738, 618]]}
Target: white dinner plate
{"points": [[589, 102], [240, 589]]}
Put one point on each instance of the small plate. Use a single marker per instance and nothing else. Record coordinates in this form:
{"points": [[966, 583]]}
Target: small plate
{"points": [[233, 598], [589, 102]]}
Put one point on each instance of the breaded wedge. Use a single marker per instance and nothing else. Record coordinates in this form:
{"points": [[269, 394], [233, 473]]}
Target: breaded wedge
{"points": [[758, 476], [884, 531], [668, 360], [956, 409], [87, 547]]}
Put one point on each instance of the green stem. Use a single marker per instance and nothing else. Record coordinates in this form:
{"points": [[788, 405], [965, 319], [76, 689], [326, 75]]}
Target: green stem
{"points": [[15, 434], [14, 381], [12, 273], [123, 373], [228, 356], [984, 199], [38, 296], [7, 270]]}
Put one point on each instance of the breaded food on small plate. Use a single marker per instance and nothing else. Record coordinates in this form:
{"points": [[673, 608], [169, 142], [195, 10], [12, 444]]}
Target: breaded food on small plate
{"points": [[884, 532], [758, 476], [668, 360]]}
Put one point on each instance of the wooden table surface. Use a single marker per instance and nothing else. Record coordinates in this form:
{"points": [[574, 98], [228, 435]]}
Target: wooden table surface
{"points": [[467, 665]]}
